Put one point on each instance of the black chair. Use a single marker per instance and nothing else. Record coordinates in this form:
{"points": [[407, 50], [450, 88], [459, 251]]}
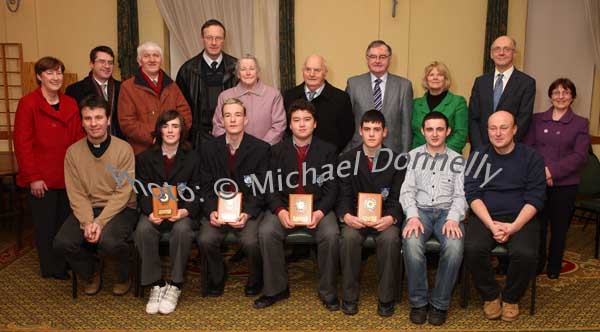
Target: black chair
{"points": [[296, 237], [499, 251], [589, 196]]}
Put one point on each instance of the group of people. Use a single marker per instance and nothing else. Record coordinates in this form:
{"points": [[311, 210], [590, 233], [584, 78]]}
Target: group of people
{"points": [[90, 189]]}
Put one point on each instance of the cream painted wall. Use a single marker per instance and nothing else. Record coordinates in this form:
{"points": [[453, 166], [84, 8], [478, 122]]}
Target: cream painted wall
{"points": [[152, 28], [423, 30], [517, 26], [61, 28]]}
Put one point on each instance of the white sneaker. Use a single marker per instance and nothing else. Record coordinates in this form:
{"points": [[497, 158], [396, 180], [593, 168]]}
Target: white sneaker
{"points": [[156, 295], [168, 303]]}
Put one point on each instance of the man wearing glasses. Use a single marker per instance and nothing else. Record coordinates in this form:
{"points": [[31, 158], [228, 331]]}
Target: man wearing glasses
{"points": [[202, 78], [380, 90], [100, 82], [505, 89]]}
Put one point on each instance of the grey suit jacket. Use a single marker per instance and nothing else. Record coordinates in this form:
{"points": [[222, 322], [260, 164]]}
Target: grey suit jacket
{"points": [[397, 109]]}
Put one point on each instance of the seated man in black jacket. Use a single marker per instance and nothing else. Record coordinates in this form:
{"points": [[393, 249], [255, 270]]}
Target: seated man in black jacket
{"points": [[234, 158], [170, 160], [306, 159], [504, 209], [376, 173]]}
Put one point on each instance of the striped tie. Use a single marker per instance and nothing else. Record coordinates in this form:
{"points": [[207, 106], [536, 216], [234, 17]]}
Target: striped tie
{"points": [[377, 95], [498, 87]]}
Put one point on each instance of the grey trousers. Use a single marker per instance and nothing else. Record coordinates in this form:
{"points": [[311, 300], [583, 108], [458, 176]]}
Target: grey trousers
{"points": [[147, 236], [210, 239], [271, 235], [113, 241], [388, 251]]}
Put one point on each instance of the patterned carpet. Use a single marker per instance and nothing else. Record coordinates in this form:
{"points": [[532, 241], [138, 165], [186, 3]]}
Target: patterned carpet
{"points": [[30, 303]]}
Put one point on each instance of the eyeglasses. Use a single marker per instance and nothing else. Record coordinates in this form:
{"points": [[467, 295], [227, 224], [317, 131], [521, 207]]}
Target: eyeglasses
{"points": [[564, 93], [375, 57], [497, 49], [212, 39], [105, 62]]}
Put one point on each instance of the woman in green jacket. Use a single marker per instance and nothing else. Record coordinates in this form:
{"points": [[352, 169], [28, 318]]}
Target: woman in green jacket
{"points": [[437, 98]]}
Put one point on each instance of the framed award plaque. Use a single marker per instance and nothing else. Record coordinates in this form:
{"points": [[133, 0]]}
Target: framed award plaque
{"points": [[301, 208], [369, 207], [229, 209], [163, 206]]}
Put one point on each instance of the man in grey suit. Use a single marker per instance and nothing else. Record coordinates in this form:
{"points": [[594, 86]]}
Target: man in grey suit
{"points": [[505, 89], [390, 94]]}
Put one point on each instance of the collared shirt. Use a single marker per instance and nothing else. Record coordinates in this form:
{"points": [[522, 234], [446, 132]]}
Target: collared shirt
{"points": [[506, 76], [264, 111], [381, 85], [209, 61], [317, 92], [434, 181], [301, 153]]}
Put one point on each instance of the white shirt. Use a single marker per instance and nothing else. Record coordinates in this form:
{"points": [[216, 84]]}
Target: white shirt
{"points": [[103, 87], [317, 92], [505, 78], [209, 61], [381, 85]]}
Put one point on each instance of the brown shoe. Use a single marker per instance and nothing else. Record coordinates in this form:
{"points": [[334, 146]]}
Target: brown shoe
{"points": [[510, 312], [492, 309], [121, 288], [93, 285]]}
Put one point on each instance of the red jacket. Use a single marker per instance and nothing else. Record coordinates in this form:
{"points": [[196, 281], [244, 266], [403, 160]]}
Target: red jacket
{"points": [[42, 136]]}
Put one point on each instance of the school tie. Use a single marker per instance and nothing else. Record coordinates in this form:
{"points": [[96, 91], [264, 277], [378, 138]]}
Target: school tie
{"points": [[213, 65], [377, 95], [498, 91]]}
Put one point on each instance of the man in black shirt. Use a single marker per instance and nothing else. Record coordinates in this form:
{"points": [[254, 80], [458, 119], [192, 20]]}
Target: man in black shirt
{"points": [[504, 209]]}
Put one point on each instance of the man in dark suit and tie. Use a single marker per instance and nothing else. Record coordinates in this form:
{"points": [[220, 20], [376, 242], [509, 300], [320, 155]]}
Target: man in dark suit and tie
{"points": [[100, 82], [390, 94], [334, 110], [505, 89]]}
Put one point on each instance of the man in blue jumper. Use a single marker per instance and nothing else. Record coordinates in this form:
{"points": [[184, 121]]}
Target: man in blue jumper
{"points": [[504, 212]]}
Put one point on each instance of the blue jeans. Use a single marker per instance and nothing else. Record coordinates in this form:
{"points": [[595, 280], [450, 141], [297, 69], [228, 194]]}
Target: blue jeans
{"points": [[416, 264]]}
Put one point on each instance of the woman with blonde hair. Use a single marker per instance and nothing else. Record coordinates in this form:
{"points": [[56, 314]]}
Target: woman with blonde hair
{"points": [[436, 81]]}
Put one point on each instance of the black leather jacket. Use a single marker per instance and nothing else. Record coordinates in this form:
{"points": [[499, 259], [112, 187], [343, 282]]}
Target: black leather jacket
{"points": [[190, 82]]}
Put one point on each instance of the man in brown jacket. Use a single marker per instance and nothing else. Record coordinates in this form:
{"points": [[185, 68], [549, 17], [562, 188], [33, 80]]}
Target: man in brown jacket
{"points": [[97, 173], [145, 96]]}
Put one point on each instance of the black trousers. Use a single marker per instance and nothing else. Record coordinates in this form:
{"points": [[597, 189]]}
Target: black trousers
{"points": [[48, 214], [560, 202], [523, 248], [80, 254]]}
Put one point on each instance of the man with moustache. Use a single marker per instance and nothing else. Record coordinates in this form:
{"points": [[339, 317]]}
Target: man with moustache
{"points": [[100, 82], [203, 77], [504, 212], [334, 110]]}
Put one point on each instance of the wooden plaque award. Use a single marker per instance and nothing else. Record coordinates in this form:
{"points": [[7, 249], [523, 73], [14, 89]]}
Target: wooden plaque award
{"points": [[163, 206], [229, 209], [301, 208], [369, 207]]}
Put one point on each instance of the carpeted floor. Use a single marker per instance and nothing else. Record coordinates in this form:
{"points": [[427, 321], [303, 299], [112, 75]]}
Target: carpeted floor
{"points": [[30, 303]]}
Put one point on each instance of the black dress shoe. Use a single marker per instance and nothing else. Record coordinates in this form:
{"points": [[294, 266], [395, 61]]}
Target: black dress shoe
{"points": [[385, 309], [252, 289], [333, 305], [267, 301], [419, 315], [216, 290], [553, 275], [437, 316], [349, 308]]}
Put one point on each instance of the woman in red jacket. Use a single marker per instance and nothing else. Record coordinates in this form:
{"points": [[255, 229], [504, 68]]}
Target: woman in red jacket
{"points": [[47, 122]]}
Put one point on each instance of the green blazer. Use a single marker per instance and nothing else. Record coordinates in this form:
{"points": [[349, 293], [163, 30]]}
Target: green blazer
{"points": [[454, 108]]}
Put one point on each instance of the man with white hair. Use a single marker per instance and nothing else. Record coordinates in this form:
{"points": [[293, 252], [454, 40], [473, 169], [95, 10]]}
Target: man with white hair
{"points": [[334, 110], [145, 96]]}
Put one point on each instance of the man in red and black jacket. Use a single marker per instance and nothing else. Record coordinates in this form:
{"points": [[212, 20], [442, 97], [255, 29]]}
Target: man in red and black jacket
{"points": [[379, 171], [236, 157], [292, 162]]}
